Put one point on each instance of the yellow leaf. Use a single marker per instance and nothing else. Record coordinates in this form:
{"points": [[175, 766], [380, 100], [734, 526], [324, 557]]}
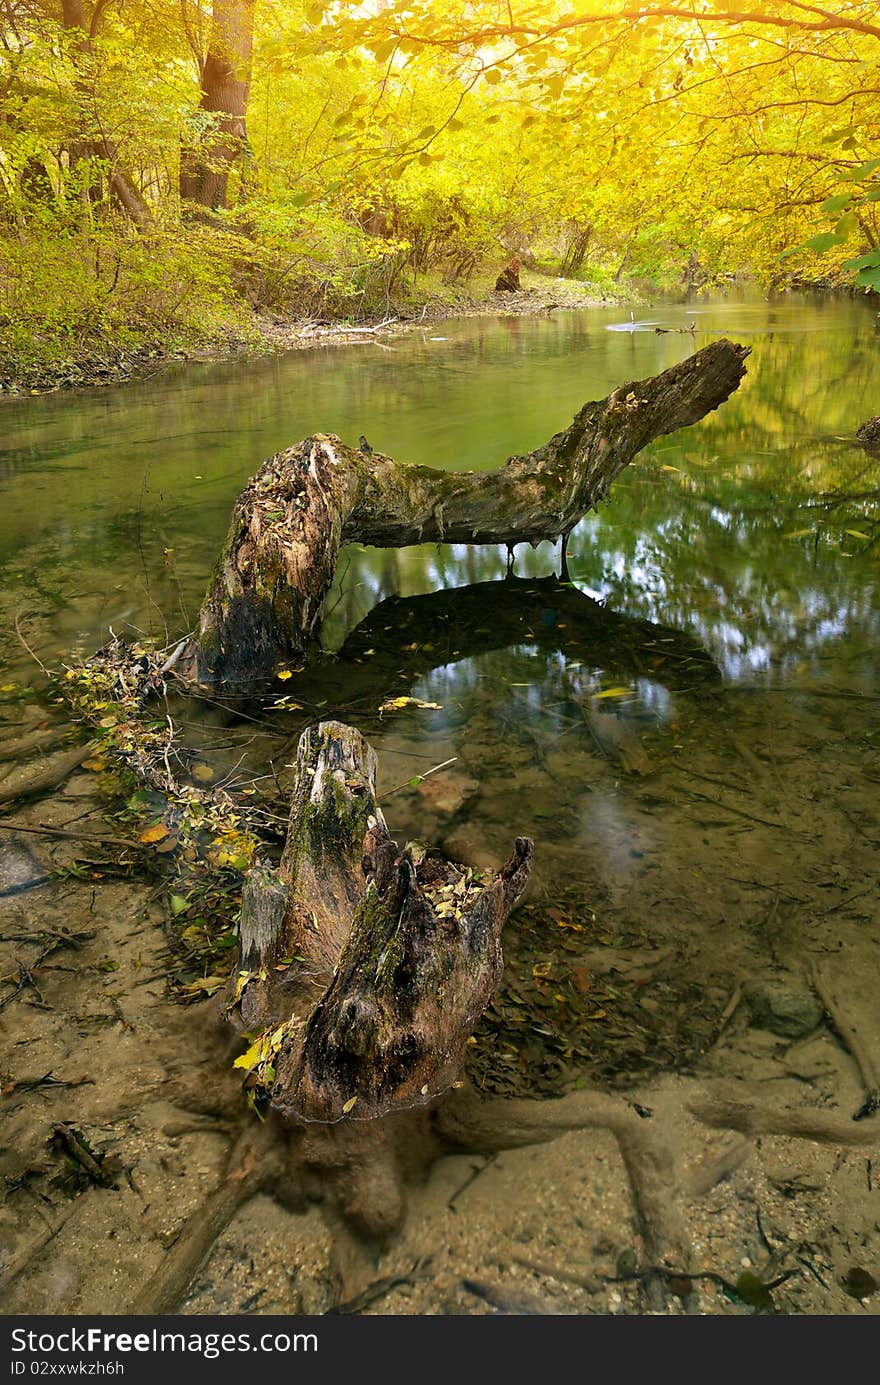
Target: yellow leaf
{"points": [[397, 703], [203, 773], [797, 533], [667, 467], [284, 674], [613, 692], [243, 978], [857, 534], [154, 834], [95, 764], [107, 722], [208, 984], [254, 1055], [349, 1105]]}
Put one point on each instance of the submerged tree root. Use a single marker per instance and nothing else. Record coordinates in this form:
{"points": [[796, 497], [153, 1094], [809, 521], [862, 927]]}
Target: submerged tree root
{"points": [[485, 1126], [29, 781], [847, 1028], [727, 1108], [364, 1169]]}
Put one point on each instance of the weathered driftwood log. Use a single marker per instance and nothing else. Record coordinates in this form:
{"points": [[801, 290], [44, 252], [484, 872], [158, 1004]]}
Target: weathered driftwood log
{"points": [[367, 966], [264, 605]]}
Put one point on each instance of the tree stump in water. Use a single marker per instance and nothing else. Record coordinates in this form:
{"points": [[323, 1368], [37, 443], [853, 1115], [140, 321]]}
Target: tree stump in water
{"points": [[869, 434], [366, 966], [263, 609]]}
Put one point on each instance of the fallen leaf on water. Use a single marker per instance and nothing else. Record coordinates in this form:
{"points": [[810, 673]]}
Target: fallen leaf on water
{"points": [[613, 692], [397, 703], [202, 772]]}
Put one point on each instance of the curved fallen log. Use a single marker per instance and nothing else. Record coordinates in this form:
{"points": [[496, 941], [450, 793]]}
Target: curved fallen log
{"points": [[264, 606]]}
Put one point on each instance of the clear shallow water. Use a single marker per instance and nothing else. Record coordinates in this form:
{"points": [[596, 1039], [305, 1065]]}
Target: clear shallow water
{"points": [[733, 761]]}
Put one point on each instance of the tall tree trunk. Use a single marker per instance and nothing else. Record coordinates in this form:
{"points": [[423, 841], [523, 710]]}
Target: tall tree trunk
{"points": [[83, 23], [225, 82]]}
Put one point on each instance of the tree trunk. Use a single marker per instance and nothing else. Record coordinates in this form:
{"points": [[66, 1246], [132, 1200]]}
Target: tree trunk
{"points": [[225, 86], [98, 146], [263, 609], [368, 966]]}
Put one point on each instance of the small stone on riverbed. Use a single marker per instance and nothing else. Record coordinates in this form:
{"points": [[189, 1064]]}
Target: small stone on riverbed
{"points": [[790, 1011]]}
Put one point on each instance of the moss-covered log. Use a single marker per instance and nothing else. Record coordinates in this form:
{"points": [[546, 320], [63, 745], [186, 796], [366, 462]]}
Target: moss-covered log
{"points": [[366, 966], [264, 605]]}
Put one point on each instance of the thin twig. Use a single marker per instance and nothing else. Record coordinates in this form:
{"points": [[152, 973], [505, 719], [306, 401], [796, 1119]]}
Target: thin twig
{"points": [[406, 783], [72, 836], [23, 642]]}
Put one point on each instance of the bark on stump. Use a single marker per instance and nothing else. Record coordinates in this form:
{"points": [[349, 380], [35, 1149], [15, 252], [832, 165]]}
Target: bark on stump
{"points": [[263, 608], [366, 966]]}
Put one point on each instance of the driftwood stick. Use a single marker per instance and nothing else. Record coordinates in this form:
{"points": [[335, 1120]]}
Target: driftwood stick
{"points": [[27, 781], [30, 1256], [77, 1150], [63, 832]]}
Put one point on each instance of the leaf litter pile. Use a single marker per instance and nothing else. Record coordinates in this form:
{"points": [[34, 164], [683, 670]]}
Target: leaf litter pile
{"points": [[579, 1004]]}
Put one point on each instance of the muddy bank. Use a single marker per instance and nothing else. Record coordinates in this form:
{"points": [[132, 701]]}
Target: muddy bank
{"points": [[111, 364]]}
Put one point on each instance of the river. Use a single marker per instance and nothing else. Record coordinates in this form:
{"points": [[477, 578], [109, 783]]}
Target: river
{"points": [[702, 821]]}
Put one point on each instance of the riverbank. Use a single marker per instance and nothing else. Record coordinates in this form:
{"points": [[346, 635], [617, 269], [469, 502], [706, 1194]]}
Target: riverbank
{"points": [[111, 363]]}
